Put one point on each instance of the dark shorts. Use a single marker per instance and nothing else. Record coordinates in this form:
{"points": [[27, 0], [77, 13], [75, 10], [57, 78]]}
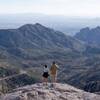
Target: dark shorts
{"points": [[45, 75]]}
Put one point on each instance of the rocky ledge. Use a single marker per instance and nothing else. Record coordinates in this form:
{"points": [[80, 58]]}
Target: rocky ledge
{"points": [[58, 92]]}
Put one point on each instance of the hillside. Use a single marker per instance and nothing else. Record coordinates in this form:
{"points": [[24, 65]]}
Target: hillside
{"points": [[36, 36], [90, 36], [35, 41], [40, 92], [30, 46], [21, 48]]}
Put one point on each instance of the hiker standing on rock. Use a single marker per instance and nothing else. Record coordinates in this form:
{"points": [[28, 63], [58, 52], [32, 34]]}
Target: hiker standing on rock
{"points": [[45, 74], [53, 72]]}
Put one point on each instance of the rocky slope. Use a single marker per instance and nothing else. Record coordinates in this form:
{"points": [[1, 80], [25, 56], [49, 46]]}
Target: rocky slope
{"points": [[40, 92], [36, 36], [32, 45], [35, 41], [90, 36]]}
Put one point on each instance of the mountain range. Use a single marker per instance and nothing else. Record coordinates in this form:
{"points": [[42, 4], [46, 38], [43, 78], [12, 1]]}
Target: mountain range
{"points": [[32, 41], [30, 46]]}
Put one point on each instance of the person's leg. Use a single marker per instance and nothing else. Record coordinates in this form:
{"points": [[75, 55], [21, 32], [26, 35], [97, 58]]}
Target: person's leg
{"points": [[55, 78], [52, 78], [46, 81], [43, 80], [53, 81]]}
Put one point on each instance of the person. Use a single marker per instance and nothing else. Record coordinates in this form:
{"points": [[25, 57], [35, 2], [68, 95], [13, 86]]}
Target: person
{"points": [[53, 72], [45, 74]]}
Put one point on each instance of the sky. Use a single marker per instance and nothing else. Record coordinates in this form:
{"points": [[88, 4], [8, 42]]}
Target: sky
{"points": [[87, 8]]}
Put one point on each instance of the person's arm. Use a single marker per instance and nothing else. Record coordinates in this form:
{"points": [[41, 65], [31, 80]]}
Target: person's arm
{"points": [[57, 66]]}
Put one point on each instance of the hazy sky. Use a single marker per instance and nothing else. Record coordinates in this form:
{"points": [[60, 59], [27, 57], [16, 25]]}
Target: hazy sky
{"points": [[89, 8]]}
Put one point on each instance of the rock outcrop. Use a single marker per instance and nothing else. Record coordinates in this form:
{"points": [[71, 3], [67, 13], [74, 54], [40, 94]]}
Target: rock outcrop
{"points": [[58, 92]]}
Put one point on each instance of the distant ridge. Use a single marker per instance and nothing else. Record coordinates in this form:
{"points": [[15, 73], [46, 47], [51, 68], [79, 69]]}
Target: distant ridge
{"points": [[90, 36], [37, 35]]}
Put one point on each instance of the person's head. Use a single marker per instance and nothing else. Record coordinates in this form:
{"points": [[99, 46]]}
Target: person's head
{"points": [[53, 62], [45, 66]]}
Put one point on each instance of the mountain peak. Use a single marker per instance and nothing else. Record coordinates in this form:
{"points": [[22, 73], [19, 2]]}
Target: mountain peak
{"points": [[40, 26], [59, 92], [90, 36], [85, 29], [98, 27], [37, 24], [27, 26]]}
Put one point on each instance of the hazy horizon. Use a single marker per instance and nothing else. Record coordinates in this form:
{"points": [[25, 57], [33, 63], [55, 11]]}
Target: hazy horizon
{"points": [[86, 8], [68, 16], [68, 25]]}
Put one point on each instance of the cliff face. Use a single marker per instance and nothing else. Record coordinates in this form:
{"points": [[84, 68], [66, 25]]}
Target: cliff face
{"points": [[40, 92]]}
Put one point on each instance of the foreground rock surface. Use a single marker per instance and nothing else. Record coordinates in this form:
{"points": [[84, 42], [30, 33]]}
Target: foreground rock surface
{"points": [[58, 92]]}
